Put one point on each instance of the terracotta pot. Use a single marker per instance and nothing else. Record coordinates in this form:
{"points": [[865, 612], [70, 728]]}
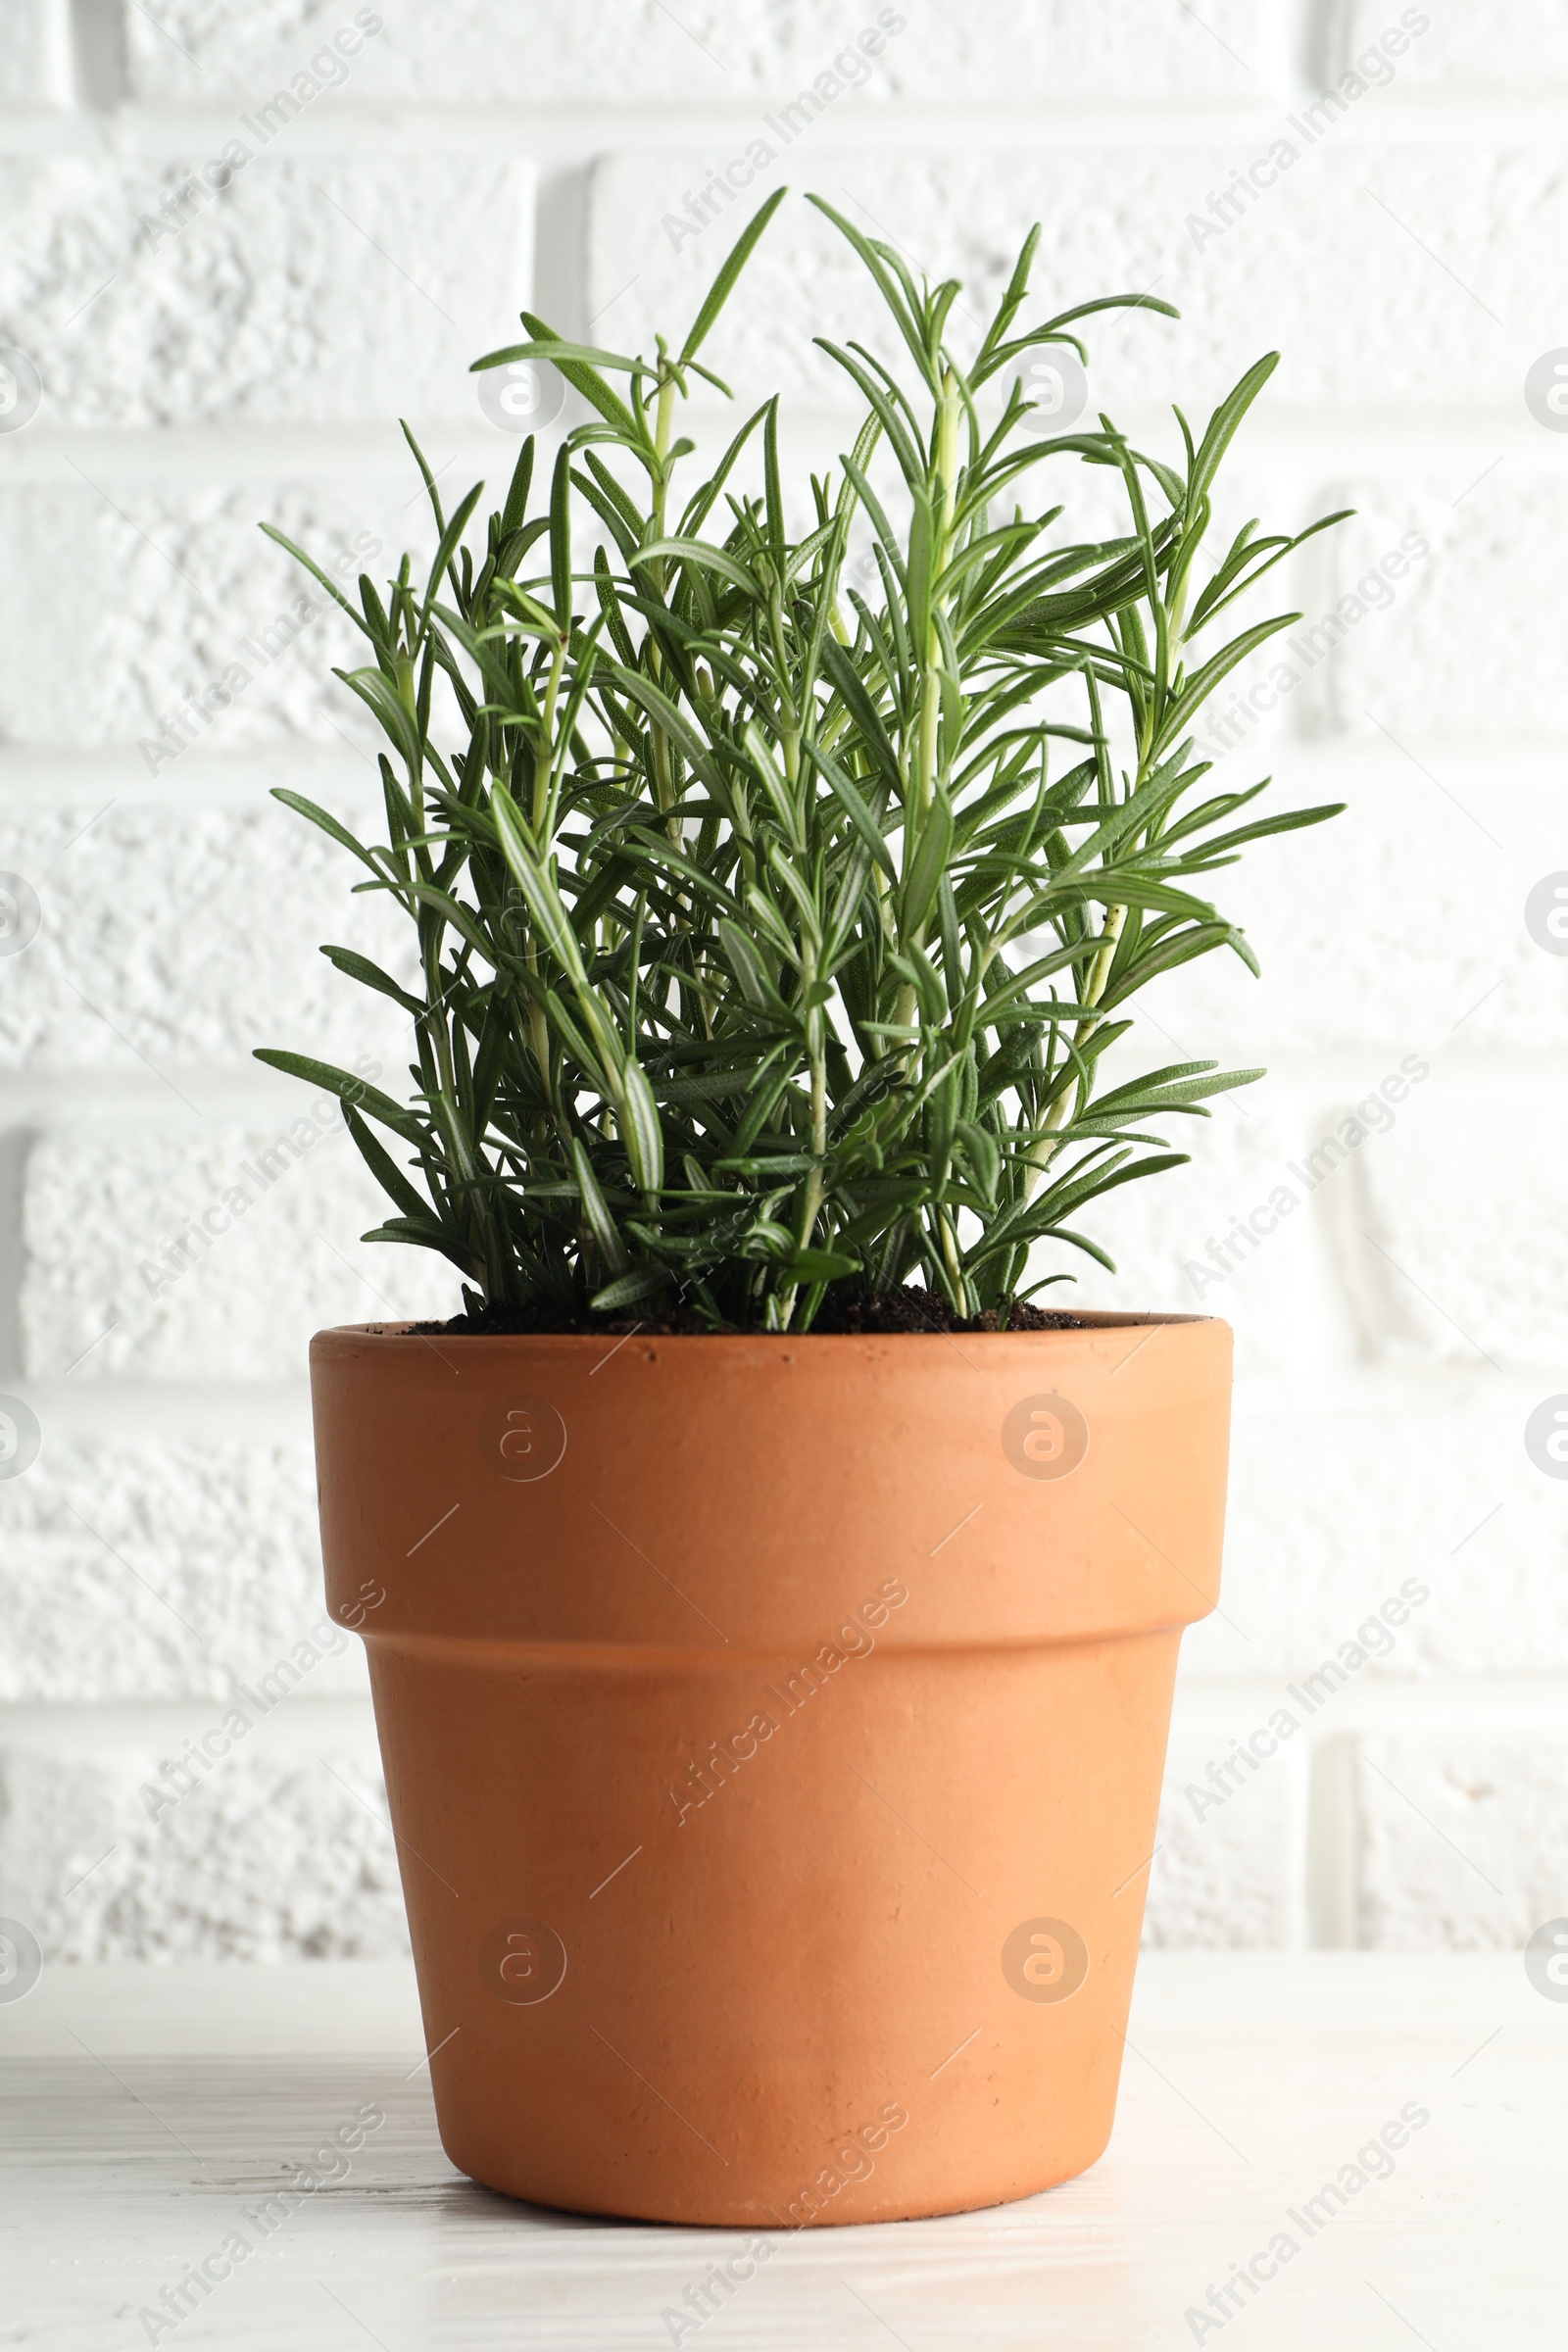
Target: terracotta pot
{"points": [[773, 1732]]}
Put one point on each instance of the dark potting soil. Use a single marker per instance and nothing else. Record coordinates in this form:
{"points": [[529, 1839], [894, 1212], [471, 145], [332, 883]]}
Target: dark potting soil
{"points": [[881, 1311]]}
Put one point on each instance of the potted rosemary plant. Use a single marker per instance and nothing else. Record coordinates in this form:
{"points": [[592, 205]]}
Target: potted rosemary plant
{"points": [[782, 1606]]}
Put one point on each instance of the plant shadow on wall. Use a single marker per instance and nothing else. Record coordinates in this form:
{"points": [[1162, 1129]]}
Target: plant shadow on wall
{"points": [[773, 935]]}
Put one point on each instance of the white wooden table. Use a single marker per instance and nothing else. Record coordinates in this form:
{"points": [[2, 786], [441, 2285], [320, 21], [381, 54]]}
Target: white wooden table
{"points": [[147, 2114]]}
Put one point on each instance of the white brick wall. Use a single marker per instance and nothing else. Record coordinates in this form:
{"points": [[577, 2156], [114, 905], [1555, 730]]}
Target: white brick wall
{"points": [[152, 1253], [1520, 50], [636, 54], [170, 587], [243, 353], [168, 1569], [309, 286], [34, 65], [105, 970]]}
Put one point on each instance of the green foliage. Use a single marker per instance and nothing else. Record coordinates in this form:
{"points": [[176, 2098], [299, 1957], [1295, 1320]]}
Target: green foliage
{"points": [[772, 935]]}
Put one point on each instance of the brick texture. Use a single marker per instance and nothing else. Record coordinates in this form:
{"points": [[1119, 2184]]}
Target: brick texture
{"points": [[1488, 587], [149, 946], [1397, 928], [157, 1253], [295, 288], [174, 592], [274, 1856], [33, 56], [1416, 339], [1434, 1272], [1462, 1841], [1333, 1506], [638, 53], [165, 1571], [1224, 1872], [1517, 51]]}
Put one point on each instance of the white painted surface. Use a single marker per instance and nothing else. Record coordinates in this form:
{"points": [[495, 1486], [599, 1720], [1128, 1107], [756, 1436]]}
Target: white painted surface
{"points": [[150, 2110], [1393, 1335]]}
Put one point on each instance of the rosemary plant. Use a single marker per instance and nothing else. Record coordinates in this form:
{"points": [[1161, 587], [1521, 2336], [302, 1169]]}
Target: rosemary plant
{"points": [[772, 935]]}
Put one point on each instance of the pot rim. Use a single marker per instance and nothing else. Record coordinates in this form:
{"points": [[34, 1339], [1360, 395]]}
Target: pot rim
{"points": [[1095, 1319]]}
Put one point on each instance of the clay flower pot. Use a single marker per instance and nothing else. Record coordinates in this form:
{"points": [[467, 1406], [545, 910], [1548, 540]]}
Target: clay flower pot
{"points": [[773, 1731]]}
